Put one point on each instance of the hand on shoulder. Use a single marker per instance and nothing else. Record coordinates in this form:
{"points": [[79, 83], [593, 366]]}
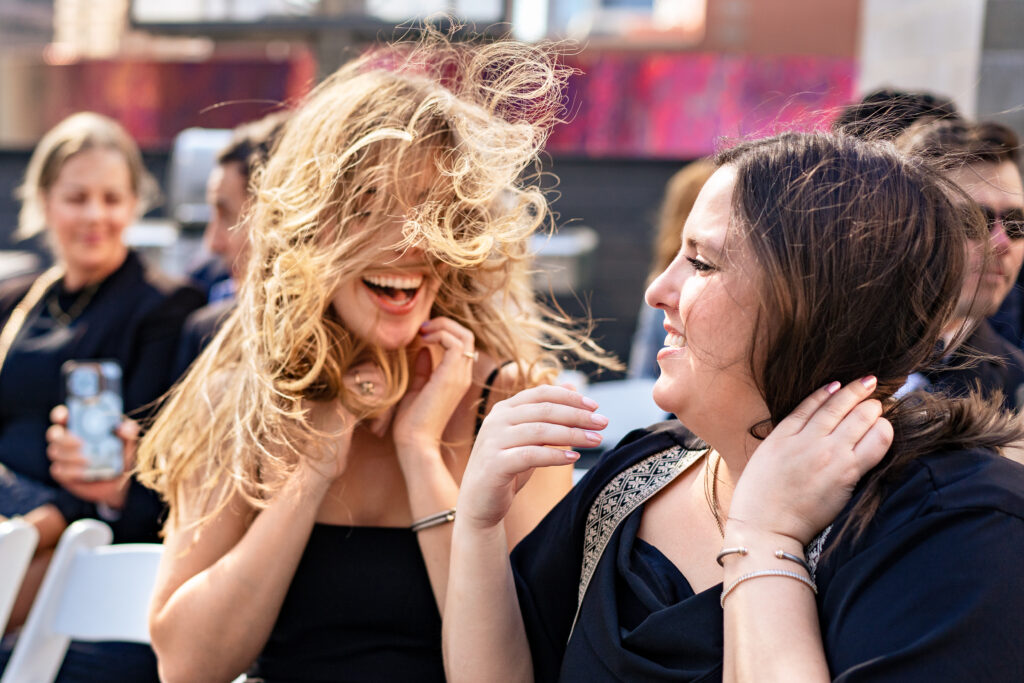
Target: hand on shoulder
{"points": [[805, 471]]}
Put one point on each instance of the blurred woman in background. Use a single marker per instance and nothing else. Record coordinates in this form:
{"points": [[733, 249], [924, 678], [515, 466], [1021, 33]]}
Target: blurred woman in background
{"points": [[85, 184]]}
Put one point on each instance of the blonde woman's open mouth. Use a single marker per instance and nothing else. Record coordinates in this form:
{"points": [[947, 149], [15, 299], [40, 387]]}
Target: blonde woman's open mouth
{"points": [[394, 294]]}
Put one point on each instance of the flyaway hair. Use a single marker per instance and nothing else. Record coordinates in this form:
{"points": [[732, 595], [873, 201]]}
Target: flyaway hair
{"points": [[445, 136]]}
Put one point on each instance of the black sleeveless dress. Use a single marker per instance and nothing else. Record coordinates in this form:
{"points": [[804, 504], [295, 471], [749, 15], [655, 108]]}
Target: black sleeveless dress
{"points": [[360, 608]]}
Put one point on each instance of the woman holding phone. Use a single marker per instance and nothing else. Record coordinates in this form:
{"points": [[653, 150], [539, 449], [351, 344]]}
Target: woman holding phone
{"points": [[84, 186]]}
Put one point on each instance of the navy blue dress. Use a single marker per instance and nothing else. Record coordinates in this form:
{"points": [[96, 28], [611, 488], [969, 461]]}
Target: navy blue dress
{"points": [[933, 591], [135, 318]]}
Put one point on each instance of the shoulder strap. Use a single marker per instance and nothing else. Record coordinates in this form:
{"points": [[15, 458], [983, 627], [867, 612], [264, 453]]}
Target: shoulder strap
{"points": [[20, 313], [630, 489], [485, 396]]}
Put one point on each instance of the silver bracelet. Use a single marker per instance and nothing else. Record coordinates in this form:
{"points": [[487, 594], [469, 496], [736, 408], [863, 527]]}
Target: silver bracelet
{"points": [[783, 555], [780, 553], [436, 519], [738, 550], [767, 572]]}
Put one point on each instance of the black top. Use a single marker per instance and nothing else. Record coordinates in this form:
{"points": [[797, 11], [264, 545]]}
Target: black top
{"points": [[932, 592], [135, 318], [360, 608], [199, 329], [1003, 373]]}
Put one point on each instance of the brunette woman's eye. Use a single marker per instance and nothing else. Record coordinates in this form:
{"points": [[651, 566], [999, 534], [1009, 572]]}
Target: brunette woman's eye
{"points": [[700, 266]]}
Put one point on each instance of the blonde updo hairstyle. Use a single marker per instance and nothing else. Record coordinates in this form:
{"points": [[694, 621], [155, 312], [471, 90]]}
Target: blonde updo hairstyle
{"points": [[444, 135], [76, 134]]}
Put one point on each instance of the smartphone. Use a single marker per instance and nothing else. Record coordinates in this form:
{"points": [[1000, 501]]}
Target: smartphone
{"points": [[93, 397]]}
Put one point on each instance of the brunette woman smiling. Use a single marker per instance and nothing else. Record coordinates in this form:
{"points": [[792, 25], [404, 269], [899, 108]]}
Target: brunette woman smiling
{"points": [[816, 272]]}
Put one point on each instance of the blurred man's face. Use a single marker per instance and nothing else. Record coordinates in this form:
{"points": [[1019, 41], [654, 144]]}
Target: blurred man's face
{"points": [[998, 189], [226, 195]]}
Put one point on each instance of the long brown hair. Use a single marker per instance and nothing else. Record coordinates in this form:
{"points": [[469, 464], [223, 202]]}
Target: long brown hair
{"points": [[863, 253]]}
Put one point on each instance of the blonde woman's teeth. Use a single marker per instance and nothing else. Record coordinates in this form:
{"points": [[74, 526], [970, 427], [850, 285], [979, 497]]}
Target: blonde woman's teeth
{"points": [[675, 341], [395, 281]]}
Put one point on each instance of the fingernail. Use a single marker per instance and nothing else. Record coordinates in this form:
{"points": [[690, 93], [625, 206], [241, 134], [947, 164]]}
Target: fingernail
{"points": [[833, 387], [424, 324], [869, 382], [589, 403], [593, 437], [599, 420], [572, 455]]}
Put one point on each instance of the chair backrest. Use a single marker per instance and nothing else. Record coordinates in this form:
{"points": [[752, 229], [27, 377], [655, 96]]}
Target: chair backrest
{"points": [[18, 541], [92, 591]]}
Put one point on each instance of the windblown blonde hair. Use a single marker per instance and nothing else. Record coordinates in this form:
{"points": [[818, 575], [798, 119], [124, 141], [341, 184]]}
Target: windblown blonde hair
{"points": [[441, 134]]}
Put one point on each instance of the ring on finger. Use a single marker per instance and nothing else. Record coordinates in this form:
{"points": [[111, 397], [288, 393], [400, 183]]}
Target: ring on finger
{"points": [[472, 355]]}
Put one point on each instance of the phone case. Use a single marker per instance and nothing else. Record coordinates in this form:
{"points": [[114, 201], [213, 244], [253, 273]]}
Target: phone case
{"points": [[93, 398]]}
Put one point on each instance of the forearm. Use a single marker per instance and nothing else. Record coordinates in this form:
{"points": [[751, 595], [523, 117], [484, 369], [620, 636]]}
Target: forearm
{"points": [[484, 636], [431, 489], [771, 622], [545, 488], [215, 623], [50, 524]]}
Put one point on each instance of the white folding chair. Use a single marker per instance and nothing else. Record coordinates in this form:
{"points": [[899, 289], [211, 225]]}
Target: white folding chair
{"points": [[92, 591], [18, 540]]}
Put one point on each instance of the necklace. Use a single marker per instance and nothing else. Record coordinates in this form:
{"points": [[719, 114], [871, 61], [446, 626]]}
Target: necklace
{"points": [[65, 318], [711, 492]]}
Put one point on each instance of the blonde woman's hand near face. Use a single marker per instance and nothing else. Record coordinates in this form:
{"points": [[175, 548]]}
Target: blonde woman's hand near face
{"points": [[337, 423], [537, 427], [434, 393], [802, 475]]}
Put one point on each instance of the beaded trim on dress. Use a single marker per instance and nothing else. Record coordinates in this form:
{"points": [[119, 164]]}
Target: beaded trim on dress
{"points": [[622, 495], [627, 491]]}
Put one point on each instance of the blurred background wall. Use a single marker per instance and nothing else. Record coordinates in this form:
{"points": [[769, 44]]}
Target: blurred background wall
{"points": [[660, 83]]}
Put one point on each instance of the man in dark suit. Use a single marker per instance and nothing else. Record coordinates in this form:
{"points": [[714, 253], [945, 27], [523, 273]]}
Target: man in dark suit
{"points": [[982, 158]]}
